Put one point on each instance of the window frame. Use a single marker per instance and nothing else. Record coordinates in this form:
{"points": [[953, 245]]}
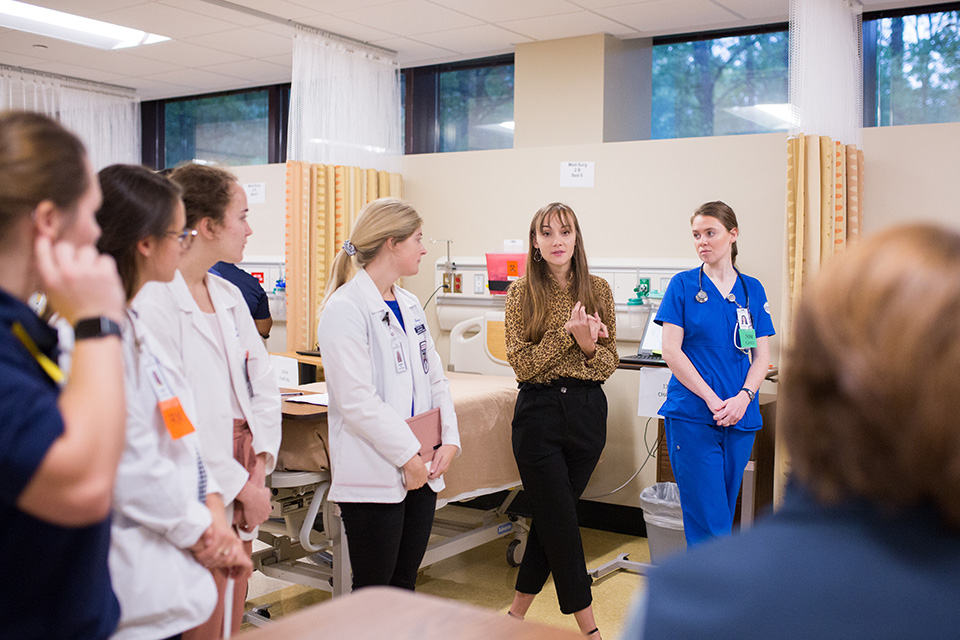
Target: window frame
{"points": [[421, 100], [153, 124]]}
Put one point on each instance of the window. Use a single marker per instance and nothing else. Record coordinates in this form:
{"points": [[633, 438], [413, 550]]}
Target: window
{"points": [[465, 106], [235, 128], [722, 85], [912, 67]]}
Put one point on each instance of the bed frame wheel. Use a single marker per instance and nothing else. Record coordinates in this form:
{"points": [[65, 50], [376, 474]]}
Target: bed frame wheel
{"points": [[514, 553]]}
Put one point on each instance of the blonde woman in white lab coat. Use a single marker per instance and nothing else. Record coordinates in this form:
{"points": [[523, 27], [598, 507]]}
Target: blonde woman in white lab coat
{"points": [[381, 368], [168, 523], [203, 323]]}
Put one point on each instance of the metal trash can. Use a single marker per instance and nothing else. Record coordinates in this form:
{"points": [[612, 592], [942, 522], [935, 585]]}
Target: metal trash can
{"points": [[664, 519]]}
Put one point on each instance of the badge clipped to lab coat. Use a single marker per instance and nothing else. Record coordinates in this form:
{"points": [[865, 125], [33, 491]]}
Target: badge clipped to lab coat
{"points": [[423, 356], [398, 358], [174, 417]]}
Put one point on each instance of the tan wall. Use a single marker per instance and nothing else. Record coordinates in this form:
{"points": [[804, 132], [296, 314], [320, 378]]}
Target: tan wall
{"points": [[640, 205]]}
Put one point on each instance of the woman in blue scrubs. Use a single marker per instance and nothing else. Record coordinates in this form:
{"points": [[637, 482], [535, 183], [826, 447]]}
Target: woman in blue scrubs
{"points": [[716, 327]]}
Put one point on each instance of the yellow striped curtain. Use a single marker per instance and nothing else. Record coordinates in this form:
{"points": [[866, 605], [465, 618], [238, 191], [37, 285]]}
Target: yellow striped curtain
{"points": [[824, 206], [322, 203]]}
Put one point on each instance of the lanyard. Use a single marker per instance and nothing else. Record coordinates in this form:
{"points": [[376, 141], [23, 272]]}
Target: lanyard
{"points": [[49, 366]]}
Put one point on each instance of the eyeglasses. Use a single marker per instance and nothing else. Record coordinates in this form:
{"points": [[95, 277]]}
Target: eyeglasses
{"points": [[185, 237]]}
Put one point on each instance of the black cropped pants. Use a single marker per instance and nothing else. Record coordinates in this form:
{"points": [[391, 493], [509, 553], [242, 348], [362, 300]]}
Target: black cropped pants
{"points": [[559, 431]]}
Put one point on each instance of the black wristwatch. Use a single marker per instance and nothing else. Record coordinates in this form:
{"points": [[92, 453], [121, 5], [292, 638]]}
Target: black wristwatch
{"points": [[95, 328], [750, 394]]}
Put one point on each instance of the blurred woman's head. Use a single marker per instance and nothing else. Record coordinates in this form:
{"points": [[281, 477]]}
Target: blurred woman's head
{"points": [[216, 207], [870, 388], [45, 175], [143, 223]]}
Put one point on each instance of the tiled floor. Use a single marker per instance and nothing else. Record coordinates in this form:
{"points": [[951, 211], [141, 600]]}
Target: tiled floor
{"points": [[483, 577]]}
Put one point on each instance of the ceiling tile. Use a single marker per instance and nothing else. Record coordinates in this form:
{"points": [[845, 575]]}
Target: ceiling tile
{"points": [[286, 60], [255, 72], [662, 16], [237, 18], [599, 4], [283, 8], [184, 53], [88, 8], [348, 28], [473, 40], [411, 51], [567, 26], [409, 17], [166, 20], [198, 80], [332, 6], [148, 89], [503, 10], [84, 72], [247, 42], [17, 60], [775, 10]]}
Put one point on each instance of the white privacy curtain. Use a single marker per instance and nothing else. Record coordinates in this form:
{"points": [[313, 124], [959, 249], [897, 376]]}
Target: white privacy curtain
{"points": [[105, 118], [344, 104]]}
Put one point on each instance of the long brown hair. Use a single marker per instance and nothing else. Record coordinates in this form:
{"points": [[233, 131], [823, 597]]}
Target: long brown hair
{"points": [[870, 393], [536, 305]]}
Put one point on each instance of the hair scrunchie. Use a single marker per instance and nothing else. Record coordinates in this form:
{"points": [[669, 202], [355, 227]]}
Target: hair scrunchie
{"points": [[349, 248]]}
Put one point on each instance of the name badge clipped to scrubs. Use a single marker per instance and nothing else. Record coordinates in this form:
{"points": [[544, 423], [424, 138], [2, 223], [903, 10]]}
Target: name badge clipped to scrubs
{"points": [[174, 417], [423, 356], [748, 336]]}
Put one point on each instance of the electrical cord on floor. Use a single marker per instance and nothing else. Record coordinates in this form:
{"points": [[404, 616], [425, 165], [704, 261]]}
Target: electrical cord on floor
{"points": [[651, 453]]}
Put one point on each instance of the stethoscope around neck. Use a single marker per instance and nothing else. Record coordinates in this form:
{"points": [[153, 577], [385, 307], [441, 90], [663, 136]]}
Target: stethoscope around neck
{"points": [[701, 296]]}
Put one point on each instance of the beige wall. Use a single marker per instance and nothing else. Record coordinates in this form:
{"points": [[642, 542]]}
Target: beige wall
{"points": [[640, 205]]}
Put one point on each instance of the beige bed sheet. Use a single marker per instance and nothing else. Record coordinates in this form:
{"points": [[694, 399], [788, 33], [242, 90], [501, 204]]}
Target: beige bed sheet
{"points": [[484, 407]]}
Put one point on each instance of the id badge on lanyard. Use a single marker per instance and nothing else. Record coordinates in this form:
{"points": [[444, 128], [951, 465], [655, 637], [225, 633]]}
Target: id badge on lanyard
{"points": [[174, 417], [748, 335]]}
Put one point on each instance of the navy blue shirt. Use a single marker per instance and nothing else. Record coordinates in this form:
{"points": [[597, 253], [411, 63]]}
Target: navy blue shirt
{"points": [[253, 293], [55, 582]]}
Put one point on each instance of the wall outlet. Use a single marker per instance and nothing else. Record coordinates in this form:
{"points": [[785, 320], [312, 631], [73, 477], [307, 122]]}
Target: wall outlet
{"points": [[458, 283], [478, 283], [447, 284]]}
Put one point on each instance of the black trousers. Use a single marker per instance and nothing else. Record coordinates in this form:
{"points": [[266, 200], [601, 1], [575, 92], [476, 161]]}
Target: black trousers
{"points": [[387, 541], [558, 434]]}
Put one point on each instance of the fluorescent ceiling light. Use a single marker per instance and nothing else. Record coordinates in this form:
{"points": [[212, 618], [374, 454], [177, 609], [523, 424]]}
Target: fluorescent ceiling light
{"points": [[66, 26]]}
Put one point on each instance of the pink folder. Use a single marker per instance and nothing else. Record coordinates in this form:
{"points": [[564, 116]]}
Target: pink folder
{"points": [[426, 426]]}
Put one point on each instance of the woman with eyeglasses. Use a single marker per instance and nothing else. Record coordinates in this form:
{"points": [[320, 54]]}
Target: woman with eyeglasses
{"points": [[716, 327], [204, 325], [168, 521]]}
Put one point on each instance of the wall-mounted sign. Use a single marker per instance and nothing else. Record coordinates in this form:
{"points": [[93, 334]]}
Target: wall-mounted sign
{"points": [[256, 192], [576, 174]]}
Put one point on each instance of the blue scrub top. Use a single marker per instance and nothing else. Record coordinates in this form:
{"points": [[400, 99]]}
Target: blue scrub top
{"points": [[55, 582], [708, 330], [253, 293]]}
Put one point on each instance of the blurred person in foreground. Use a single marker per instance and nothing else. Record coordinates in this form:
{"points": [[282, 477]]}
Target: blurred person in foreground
{"points": [[867, 542]]}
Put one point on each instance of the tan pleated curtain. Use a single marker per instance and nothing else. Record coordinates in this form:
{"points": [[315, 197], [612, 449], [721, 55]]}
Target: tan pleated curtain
{"points": [[322, 203], [824, 205]]}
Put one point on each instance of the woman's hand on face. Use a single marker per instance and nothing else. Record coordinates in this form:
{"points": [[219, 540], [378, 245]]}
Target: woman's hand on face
{"points": [[79, 282], [731, 410], [414, 473], [442, 459]]}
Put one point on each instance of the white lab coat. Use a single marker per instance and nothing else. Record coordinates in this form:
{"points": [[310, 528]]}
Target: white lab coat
{"points": [[157, 511], [369, 399], [243, 369]]}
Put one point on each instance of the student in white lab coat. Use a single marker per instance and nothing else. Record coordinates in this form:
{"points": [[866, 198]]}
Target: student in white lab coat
{"points": [[381, 368], [168, 521], [203, 323]]}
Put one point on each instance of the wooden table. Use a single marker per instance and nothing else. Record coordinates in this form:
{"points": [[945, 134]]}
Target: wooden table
{"points": [[301, 410], [378, 613]]}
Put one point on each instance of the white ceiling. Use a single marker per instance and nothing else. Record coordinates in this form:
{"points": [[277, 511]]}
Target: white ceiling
{"points": [[215, 47]]}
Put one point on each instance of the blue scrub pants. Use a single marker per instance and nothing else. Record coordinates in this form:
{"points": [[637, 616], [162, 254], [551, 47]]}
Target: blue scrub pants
{"points": [[708, 463]]}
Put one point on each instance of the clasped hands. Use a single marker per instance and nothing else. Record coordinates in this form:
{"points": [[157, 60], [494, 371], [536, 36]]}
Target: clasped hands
{"points": [[585, 328], [728, 412]]}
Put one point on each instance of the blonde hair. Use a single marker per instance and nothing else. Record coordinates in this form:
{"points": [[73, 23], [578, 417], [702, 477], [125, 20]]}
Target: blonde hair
{"points": [[378, 221], [870, 389], [536, 305]]}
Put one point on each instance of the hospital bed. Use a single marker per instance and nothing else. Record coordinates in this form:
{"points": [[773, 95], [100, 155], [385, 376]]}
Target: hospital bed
{"points": [[304, 538]]}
